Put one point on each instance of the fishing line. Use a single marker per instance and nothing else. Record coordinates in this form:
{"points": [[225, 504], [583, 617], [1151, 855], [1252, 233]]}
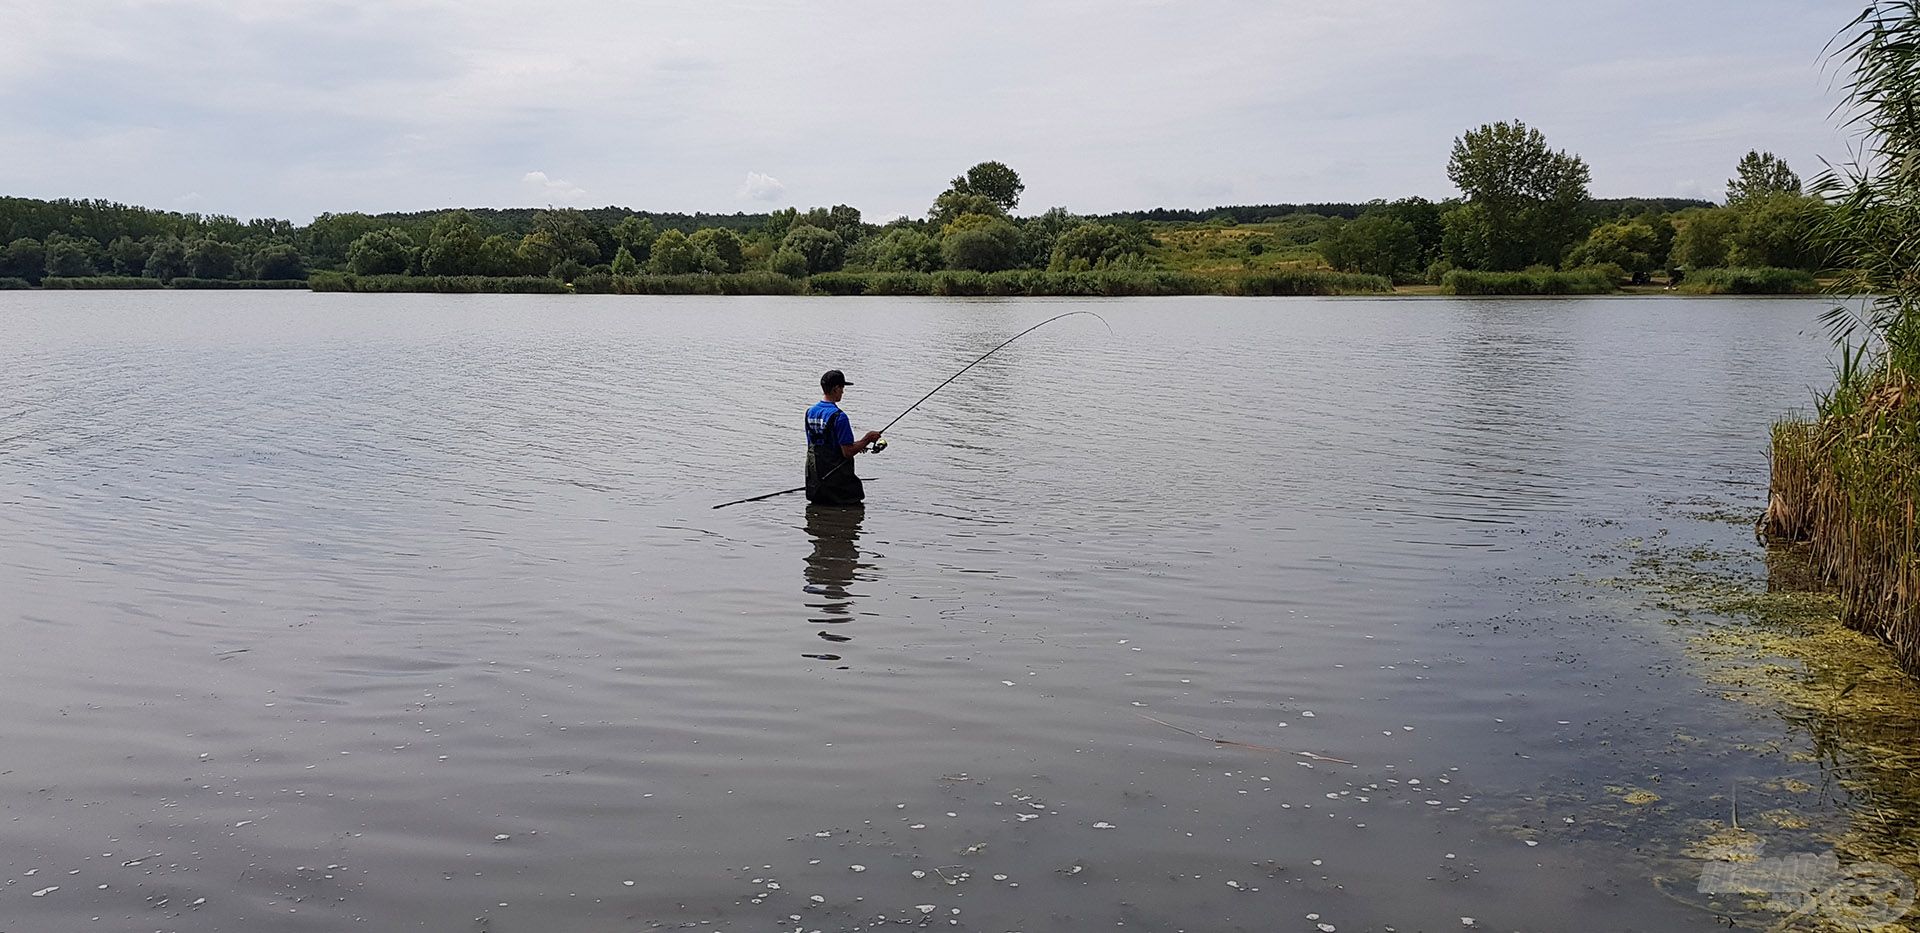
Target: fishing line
{"points": [[981, 359]]}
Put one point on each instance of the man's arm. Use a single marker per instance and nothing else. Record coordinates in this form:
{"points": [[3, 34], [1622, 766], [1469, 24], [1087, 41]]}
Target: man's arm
{"points": [[849, 446], [848, 450]]}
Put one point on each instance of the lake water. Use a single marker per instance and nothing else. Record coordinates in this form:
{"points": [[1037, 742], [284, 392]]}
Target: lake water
{"points": [[330, 612]]}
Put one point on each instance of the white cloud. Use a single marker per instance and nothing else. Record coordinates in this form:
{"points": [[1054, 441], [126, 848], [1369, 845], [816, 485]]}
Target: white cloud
{"points": [[299, 106], [553, 188], [1694, 188], [761, 187]]}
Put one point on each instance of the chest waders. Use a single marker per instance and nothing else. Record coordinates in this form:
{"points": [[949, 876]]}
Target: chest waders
{"points": [[830, 476]]}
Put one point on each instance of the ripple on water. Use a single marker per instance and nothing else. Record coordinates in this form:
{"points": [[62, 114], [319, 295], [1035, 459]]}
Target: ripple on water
{"points": [[328, 609]]}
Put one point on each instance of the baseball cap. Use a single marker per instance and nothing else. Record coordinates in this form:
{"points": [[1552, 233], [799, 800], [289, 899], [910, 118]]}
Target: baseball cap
{"points": [[833, 377]]}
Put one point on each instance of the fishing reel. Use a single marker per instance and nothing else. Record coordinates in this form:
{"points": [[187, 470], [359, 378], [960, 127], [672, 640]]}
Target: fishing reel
{"points": [[878, 445]]}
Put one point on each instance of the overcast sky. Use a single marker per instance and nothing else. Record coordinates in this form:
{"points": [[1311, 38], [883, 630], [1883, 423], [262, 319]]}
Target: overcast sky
{"points": [[287, 108]]}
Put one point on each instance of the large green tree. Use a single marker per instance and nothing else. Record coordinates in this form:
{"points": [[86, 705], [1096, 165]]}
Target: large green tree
{"points": [[951, 205], [69, 255], [278, 261], [388, 251], [1527, 198], [330, 236], [1376, 243], [128, 255], [979, 242], [1037, 235], [1424, 217], [990, 189], [636, 236], [208, 258], [1704, 237], [1778, 230], [24, 258], [453, 246], [499, 255], [788, 262], [823, 250], [673, 255], [1761, 175], [1628, 244], [993, 181], [1096, 245], [718, 249], [906, 249], [561, 238], [167, 260]]}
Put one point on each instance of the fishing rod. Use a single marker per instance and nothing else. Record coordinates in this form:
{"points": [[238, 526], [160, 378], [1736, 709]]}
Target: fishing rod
{"points": [[881, 444]]}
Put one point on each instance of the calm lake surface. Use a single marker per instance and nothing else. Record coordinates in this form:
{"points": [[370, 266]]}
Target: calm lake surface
{"points": [[329, 612]]}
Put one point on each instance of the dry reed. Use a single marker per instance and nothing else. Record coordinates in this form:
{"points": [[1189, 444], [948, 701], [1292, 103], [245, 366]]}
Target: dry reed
{"points": [[1848, 486]]}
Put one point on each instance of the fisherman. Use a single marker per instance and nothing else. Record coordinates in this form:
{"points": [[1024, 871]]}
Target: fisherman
{"points": [[831, 447]]}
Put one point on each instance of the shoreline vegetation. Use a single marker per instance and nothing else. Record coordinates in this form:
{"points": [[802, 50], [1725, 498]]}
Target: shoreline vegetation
{"points": [[1846, 482], [1524, 223], [946, 283], [1007, 283]]}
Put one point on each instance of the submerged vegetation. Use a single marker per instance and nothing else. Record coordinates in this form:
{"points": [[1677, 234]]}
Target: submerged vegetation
{"points": [[1777, 645], [1848, 481]]}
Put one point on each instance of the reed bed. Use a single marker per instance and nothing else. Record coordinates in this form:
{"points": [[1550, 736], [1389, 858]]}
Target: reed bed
{"points": [[242, 284], [444, 284], [1756, 280], [734, 283], [98, 281], [1531, 282], [1849, 486], [1112, 283]]}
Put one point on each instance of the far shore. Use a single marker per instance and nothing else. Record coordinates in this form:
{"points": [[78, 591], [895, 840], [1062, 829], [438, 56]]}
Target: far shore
{"points": [[1096, 283]]}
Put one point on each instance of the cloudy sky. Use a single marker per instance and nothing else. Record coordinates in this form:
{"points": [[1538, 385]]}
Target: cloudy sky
{"points": [[286, 108]]}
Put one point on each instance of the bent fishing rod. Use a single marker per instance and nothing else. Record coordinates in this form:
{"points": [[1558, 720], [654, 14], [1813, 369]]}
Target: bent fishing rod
{"points": [[981, 359]]}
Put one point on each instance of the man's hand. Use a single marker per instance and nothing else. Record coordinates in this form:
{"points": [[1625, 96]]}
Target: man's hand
{"points": [[848, 450]]}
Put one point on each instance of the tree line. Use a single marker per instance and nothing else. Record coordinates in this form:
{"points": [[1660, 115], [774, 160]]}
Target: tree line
{"points": [[1522, 205], [1526, 206]]}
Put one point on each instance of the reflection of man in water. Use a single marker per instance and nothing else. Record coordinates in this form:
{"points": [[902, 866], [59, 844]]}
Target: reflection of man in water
{"points": [[831, 447], [831, 566]]}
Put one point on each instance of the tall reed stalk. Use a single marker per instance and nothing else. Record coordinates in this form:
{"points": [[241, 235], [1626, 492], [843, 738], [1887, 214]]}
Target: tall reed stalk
{"points": [[1848, 482]]}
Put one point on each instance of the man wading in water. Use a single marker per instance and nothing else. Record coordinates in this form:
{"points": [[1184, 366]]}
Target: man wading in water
{"points": [[831, 447]]}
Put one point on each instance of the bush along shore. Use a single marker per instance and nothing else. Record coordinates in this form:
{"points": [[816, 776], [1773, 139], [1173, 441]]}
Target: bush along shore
{"points": [[1847, 481]]}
